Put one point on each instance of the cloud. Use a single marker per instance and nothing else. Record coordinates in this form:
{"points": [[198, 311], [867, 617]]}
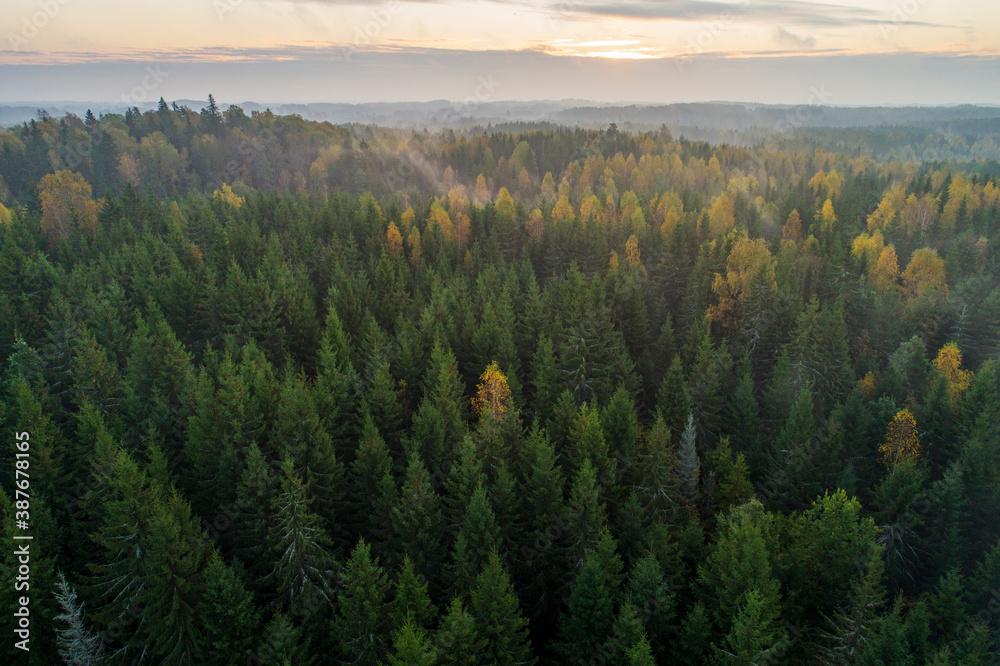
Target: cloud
{"points": [[775, 11], [787, 38]]}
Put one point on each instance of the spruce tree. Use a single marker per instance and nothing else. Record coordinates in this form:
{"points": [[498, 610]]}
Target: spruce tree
{"points": [[457, 639], [498, 619], [78, 645], [302, 569], [361, 626], [232, 622], [411, 600]]}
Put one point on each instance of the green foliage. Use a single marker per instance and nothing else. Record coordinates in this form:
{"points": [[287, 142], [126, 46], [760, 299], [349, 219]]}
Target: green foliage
{"points": [[263, 363]]}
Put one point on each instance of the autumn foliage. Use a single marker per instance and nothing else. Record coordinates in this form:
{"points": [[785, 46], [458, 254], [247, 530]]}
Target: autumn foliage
{"points": [[901, 442], [394, 240], [949, 364], [63, 195], [227, 195], [924, 273], [492, 393]]}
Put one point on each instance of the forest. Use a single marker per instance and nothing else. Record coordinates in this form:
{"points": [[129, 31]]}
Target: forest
{"points": [[304, 393]]}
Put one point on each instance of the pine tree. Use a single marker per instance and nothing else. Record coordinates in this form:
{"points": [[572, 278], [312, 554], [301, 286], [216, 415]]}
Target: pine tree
{"points": [[545, 378], [478, 537], [738, 565], [672, 399], [308, 446], [688, 463], [175, 563], [655, 474], [498, 619], [587, 443], [255, 498], [361, 626], [621, 427], [590, 608], [303, 567], [412, 647], [78, 645], [465, 476], [851, 627], [417, 521], [586, 511], [654, 602], [457, 638], [284, 643], [795, 457], [336, 384], [231, 620], [626, 635], [411, 601], [755, 637], [372, 488]]}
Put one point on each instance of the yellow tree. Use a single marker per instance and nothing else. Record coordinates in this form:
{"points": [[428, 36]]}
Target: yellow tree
{"points": [[482, 192], [64, 194], [563, 211], [226, 194], [407, 218], [505, 205], [439, 217], [413, 242], [793, 228], [492, 394], [749, 273], [883, 215], [670, 220], [5, 216], [632, 252], [867, 385], [394, 240], [901, 441], [925, 271], [827, 217], [949, 364], [613, 262], [721, 215], [590, 208], [884, 275]]}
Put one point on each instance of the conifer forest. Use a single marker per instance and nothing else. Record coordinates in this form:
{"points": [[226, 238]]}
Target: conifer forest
{"points": [[277, 391]]}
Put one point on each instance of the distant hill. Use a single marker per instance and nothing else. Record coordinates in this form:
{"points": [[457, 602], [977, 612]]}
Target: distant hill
{"points": [[729, 116]]}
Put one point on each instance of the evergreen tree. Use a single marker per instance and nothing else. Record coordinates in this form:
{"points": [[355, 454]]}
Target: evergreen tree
{"points": [[231, 620], [688, 463], [361, 626], [589, 618], [498, 619], [302, 565], [478, 538], [411, 601], [78, 645], [654, 602], [672, 399], [417, 521], [412, 647], [457, 639]]}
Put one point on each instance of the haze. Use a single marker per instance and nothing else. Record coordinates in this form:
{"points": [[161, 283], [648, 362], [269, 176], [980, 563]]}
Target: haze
{"points": [[771, 51]]}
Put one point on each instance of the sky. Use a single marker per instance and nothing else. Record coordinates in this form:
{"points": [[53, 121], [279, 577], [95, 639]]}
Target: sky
{"points": [[844, 52]]}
